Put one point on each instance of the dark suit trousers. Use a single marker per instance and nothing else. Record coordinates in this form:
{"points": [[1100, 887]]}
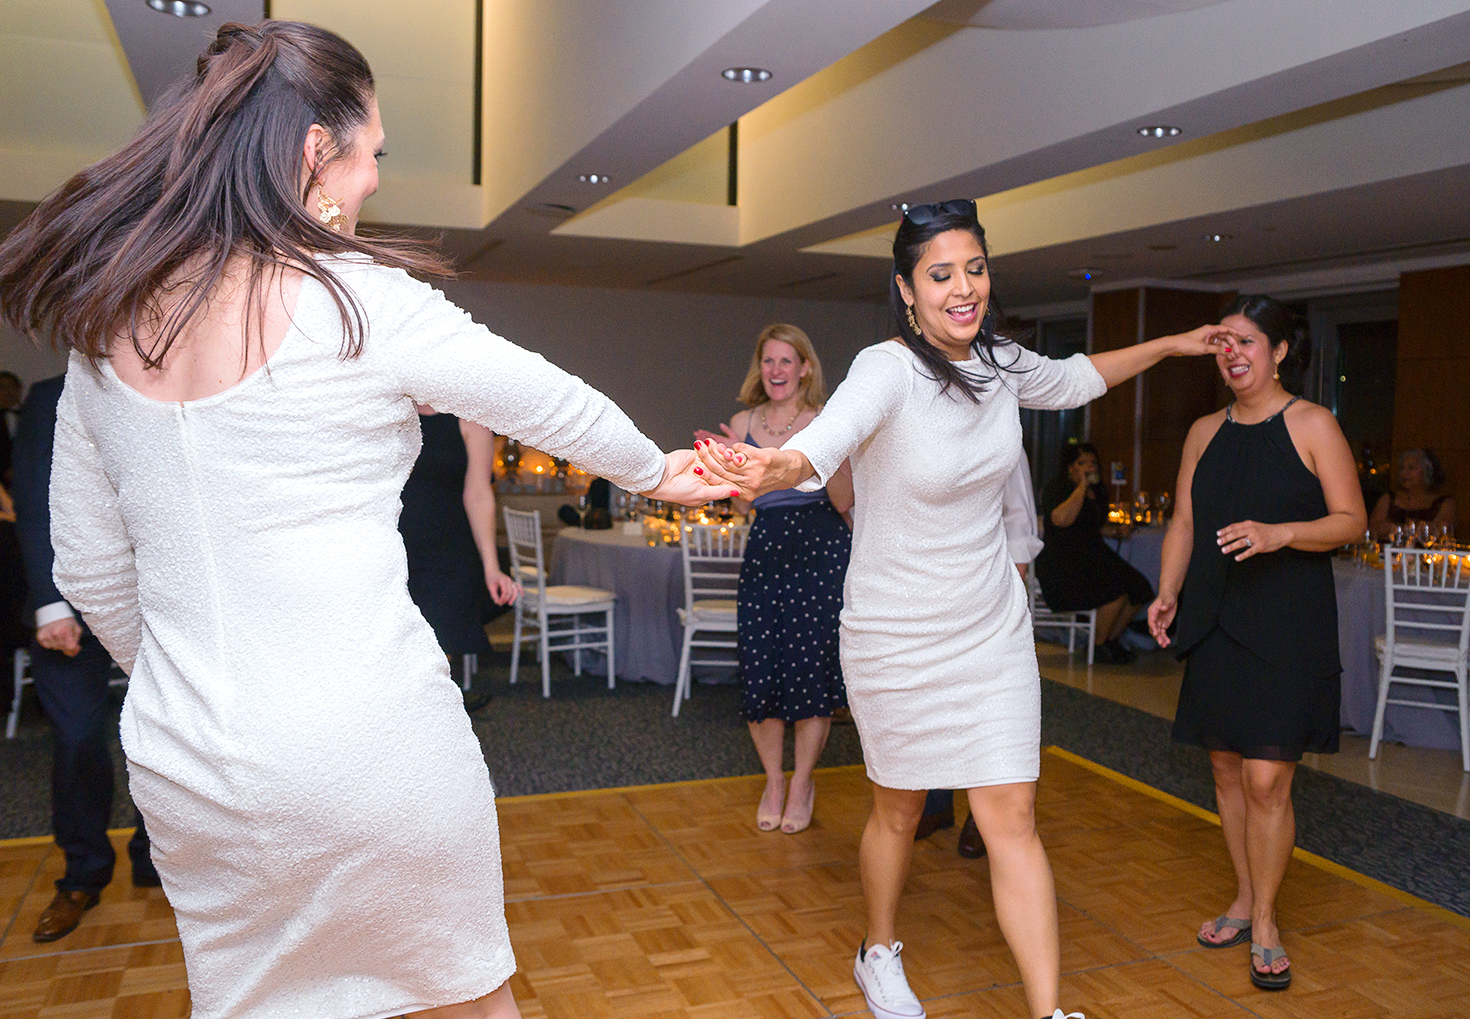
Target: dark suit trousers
{"points": [[75, 695]]}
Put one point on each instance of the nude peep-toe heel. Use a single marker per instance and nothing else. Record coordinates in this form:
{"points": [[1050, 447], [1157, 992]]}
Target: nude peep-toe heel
{"points": [[793, 821], [770, 821]]}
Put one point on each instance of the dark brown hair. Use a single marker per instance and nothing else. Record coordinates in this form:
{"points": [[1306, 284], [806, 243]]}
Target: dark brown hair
{"points": [[1276, 321], [908, 247], [214, 174]]}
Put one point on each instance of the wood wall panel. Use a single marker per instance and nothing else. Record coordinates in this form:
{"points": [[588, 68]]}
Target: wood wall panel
{"points": [[1175, 392], [1110, 418], [1178, 391], [1432, 388]]}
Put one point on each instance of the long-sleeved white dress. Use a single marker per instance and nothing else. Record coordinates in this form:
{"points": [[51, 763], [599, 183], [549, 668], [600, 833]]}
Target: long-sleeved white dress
{"points": [[320, 810], [936, 640]]}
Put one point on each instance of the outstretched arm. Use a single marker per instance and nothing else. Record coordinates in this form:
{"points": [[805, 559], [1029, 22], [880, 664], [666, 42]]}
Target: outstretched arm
{"points": [[1120, 365]]}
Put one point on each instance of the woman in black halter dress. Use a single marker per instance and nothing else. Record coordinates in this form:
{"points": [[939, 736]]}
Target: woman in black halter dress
{"points": [[1267, 488]]}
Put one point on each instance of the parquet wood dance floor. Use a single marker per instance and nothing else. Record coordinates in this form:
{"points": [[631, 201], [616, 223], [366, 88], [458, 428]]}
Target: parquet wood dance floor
{"points": [[665, 901]]}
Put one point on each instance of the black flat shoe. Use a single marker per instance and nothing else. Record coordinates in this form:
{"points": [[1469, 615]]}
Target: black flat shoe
{"points": [[931, 823], [971, 846]]}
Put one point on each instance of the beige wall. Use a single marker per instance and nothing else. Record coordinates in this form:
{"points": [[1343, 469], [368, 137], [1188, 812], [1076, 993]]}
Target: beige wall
{"points": [[30, 362], [673, 361]]}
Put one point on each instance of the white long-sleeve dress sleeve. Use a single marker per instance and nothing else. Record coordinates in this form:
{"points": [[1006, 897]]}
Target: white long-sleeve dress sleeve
{"points": [[94, 556], [937, 649], [1018, 513], [319, 807]]}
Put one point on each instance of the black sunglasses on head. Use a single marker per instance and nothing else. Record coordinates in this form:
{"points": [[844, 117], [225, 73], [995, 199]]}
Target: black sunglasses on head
{"points": [[919, 215]]}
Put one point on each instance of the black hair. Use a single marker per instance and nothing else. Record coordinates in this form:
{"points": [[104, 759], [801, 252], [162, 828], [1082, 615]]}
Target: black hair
{"points": [[1274, 319], [908, 247], [1072, 452]]}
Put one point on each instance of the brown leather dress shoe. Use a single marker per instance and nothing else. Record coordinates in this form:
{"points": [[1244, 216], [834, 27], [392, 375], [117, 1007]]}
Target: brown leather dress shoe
{"points": [[63, 915], [971, 846]]}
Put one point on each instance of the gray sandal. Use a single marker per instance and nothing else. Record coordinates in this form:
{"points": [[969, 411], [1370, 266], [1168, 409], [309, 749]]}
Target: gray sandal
{"points": [[1223, 923], [1269, 981]]}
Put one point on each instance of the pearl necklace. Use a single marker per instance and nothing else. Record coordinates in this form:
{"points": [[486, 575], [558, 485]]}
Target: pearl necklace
{"points": [[789, 425]]}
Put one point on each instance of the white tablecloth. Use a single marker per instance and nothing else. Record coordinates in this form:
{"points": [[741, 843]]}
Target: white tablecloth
{"points": [[649, 583]]}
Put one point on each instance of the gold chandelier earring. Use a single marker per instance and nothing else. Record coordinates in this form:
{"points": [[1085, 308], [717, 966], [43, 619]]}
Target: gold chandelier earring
{"points": [[331, 213], [913, 322]]}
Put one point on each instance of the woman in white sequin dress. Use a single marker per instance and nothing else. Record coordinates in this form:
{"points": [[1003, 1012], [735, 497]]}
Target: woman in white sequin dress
{"points": [[224, 512], [936, 641]]}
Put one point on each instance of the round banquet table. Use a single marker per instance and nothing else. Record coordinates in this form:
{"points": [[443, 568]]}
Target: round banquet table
{"points": [[649, 583]]}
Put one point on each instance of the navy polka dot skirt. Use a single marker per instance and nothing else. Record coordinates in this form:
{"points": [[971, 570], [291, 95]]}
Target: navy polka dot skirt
{"points": [[790, 598]]}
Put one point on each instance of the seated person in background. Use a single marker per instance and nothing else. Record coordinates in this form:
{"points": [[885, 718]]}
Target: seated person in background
{"points": [[1417, 495], [1076, 569]]}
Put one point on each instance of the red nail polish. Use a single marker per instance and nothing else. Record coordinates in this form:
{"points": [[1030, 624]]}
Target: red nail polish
{"points": [[699, 470]]}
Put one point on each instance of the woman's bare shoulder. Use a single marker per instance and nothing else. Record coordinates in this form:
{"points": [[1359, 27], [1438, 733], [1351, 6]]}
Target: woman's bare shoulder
{"points": [[1312, 421], [1204, 429]]}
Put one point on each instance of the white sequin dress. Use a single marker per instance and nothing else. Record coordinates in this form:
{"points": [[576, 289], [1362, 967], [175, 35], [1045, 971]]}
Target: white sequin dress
{"points": [[320, 810], [936, 640]]}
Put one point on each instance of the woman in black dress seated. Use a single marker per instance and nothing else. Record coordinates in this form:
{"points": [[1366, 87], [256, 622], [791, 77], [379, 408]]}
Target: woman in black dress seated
{"points": [[1418, 495], [1267, 489], [1076, 569]]}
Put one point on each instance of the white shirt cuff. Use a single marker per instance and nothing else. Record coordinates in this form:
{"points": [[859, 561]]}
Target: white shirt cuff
{"points": [[51, 613]]}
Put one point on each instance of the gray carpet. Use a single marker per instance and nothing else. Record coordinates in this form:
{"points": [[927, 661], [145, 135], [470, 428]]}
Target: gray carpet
{"points": [[587, 737]]}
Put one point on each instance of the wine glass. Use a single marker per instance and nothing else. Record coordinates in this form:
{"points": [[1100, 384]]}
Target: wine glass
{"points": [[1422, 536]]}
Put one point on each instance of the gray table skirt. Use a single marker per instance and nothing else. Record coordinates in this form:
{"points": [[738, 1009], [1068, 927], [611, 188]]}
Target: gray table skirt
{"points": [[649, 583]]}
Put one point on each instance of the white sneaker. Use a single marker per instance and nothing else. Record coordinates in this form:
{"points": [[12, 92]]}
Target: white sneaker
{"points": [[879, 973], [1059, 1014]]}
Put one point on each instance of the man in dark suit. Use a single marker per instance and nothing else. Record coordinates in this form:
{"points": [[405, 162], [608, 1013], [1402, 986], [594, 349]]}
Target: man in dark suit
{"points": [[71, 670]]}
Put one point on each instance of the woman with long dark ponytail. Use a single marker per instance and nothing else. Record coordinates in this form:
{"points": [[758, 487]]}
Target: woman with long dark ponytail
{"points": [[238, 421], [936, 642]]}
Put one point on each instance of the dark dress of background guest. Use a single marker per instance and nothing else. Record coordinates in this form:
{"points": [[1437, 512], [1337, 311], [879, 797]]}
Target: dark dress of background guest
{"points": [[446, 577], [1077, 569]]}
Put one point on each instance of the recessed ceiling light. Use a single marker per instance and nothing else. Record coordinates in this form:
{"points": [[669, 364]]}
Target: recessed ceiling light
{"points": [[180, 8], [746, 75], [1217, 238], [1160, 131], [593, 178], [899, 206]]}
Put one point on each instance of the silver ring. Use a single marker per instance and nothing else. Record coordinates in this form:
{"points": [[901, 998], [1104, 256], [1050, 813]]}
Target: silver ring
{"points": [[1247, 543]]}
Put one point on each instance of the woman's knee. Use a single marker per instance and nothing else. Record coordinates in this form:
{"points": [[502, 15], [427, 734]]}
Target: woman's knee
{"points": [[1005, 812], [897, 811], [1267, 784]]}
